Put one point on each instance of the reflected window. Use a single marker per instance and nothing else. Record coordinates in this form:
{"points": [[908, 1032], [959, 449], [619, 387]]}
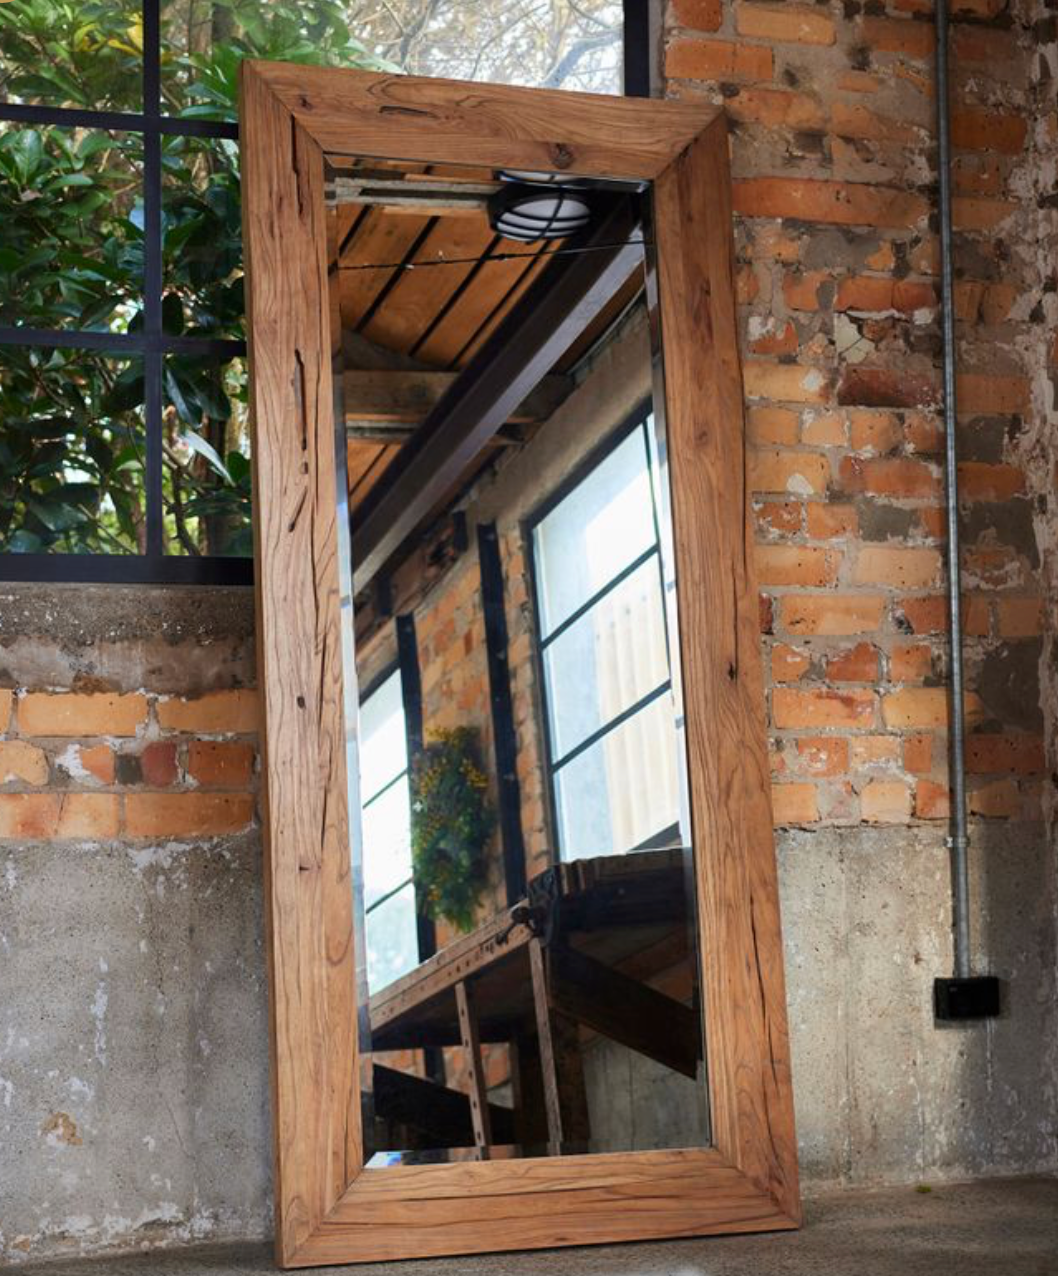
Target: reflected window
{"points": [[389, 892], [607, 686]]}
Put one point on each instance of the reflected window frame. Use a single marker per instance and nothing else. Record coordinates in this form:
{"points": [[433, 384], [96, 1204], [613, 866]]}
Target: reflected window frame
{"points": [[151, 342], [641, 421]]}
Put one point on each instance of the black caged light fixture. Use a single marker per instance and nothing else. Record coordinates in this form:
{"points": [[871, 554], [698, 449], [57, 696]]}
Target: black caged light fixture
{"points": [[532, 206]]}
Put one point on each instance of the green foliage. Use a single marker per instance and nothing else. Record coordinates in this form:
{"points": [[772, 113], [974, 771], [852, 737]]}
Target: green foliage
{"points": [[451, 824], [71, 256]]}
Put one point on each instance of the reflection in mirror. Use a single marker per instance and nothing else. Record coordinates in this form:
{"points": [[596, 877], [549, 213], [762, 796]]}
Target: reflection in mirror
{"points": [[527, 947]]}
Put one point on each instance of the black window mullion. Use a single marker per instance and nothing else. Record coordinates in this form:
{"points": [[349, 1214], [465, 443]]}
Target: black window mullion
{"points": [[614, 722], [152, 275]]}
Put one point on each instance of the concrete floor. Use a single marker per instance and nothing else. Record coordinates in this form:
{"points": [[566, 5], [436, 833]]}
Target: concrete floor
{"points": [[1002, 1227]]}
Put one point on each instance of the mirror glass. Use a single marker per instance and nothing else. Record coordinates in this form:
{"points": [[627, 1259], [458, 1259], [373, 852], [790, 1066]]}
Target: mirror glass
{"points": [[524, 875]]}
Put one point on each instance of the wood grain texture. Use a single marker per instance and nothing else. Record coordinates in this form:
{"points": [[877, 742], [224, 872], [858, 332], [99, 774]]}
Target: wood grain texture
{"points": [[309, 901], [741, 943], [329, 1208], [496, 125]]}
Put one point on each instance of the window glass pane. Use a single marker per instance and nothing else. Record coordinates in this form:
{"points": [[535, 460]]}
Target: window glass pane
{"points": [[570, 44], [608, 801], [85, 54], [206, 467], [614, 655], [202, 238], [383, 744], [71, 452], [71, 249], [387, 842], [392, 946], [601, 526]]}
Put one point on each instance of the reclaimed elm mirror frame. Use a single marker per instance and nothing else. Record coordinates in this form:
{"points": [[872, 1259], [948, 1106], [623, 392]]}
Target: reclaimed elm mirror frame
{"points": [[329, 1209]]}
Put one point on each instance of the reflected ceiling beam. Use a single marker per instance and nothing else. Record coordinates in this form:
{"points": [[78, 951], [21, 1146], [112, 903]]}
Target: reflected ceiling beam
{"points": [[409, 396], [524, 347]]}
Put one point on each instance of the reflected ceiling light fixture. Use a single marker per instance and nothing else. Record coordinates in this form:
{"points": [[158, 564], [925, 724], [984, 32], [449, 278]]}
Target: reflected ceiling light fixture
{"points": [[534, 206]]}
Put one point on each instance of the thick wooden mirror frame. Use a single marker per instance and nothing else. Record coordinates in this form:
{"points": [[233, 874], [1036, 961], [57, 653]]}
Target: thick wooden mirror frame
{"points": [[328, 1208]]}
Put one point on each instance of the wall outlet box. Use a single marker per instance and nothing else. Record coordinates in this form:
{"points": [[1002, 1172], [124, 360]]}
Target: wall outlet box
{"points": [[974, 998]]}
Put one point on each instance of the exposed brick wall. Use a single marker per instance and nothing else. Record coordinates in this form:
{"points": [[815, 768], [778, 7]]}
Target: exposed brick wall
{"points": [[129, 765], [834, 162]]}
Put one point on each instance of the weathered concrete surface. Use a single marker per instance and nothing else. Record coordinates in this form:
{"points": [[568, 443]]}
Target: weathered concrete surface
{"points": [[997, 1228], [170, 639], [133, 1038], [133, 1055]]}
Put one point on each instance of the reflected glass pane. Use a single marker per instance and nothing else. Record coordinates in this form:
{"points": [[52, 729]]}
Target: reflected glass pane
{"points": [[71, 452], [391, 939], [71, 209], [606, 661], [87, 54], [383, 743], [558, 44], [201, 238], [598, 528], [206, 474], [387, 842], [623, 790]]}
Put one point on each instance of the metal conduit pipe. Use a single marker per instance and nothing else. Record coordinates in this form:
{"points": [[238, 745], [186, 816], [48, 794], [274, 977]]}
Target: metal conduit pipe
{"points": [[962, 996]]}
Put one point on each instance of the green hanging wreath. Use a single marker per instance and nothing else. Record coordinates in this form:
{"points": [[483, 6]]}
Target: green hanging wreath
{"points": [[451, 825]]}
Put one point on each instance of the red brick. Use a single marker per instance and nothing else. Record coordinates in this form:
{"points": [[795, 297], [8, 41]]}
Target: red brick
{"points": [[775, 108], [981, 482], [836, 203], [788, 664], [897, 476], [780, 517], [970, 213], [787, 23], [793, 708], [22, 761], [217, 713], [857, 664], [72, 713], [776, 340], [932, 800], [158, 764], [887, 388], [918, 753], [717, 60], [6, 698], [910, 663], [222, 766], [795, 565], [823, 755], [981, 130], [858, 121], [876, 431], [885, 802], [800, 289], [873, 750], [778, 470], [893, 35], [988, 754], [825, 430], [88, 815], [98, 761], [930, 615], [900, 567], [833, 614], [924, 707], [791, 382], [999, 799], [186, 814], [29, 815], [794, 803], [1019, 617], [703, 15], [827, 522], [771, 425]]}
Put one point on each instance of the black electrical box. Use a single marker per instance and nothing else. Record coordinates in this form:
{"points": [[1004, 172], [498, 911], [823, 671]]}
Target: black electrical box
{"points": [[973, 998]]}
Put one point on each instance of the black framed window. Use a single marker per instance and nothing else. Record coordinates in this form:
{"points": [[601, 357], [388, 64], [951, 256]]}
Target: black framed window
{"points": [[124, 452], [606, 681]]}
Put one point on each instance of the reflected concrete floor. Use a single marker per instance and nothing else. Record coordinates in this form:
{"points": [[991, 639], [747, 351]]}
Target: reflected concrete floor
{"points": [[1002, 1227]]}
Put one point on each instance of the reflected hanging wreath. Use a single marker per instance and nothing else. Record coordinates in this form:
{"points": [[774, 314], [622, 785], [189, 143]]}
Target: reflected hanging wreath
{"points": [[451, 825]]}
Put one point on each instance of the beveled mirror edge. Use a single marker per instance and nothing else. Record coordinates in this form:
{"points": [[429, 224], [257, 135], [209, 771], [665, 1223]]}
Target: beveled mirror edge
{"points": [[327, 1209]]}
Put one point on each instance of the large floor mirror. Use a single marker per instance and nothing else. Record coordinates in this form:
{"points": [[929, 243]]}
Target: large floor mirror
{"points": [[521, 878]]}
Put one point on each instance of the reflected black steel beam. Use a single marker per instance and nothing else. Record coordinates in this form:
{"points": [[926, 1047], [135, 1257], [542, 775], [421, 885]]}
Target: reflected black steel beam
{"points": [[535, 333]]}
